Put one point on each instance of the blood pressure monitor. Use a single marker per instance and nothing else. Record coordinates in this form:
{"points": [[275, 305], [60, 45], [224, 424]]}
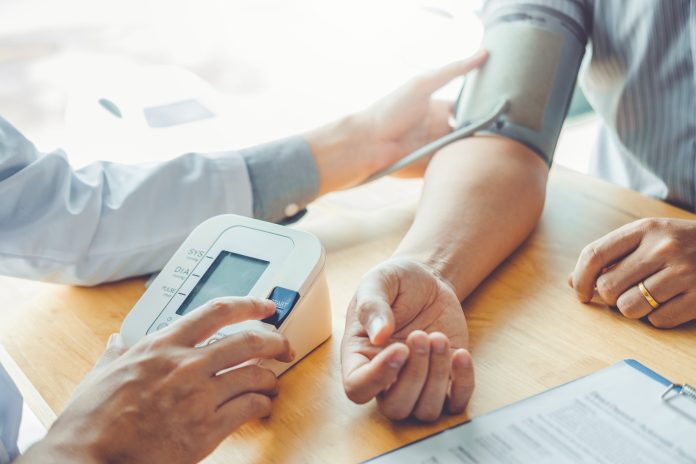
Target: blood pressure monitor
{"points": [[230, 255]]}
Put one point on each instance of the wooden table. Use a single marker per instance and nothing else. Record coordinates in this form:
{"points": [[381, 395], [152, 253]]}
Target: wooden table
{"points": [[528, 332]]}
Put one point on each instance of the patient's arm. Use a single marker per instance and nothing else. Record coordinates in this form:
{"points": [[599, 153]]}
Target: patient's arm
{"points": [[482, 198]]}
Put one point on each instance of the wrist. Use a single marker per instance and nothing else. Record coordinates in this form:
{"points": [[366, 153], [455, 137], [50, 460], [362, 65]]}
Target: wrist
{"points": [[343, 152], [55, 450], [436, 265]]}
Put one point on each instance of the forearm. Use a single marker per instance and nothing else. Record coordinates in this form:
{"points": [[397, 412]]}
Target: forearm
{"points": [[482, 197], [343, 152]]}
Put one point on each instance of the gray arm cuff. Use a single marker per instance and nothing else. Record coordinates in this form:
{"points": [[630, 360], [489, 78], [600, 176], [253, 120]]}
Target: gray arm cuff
{"points": [[284, 177]]}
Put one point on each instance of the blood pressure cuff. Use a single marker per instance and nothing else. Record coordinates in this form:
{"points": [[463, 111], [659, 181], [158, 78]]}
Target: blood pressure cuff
{"points": [[534, 58]]}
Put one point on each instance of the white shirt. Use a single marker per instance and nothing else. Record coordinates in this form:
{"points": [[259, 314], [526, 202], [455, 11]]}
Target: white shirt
{"points": [[641, 79]]}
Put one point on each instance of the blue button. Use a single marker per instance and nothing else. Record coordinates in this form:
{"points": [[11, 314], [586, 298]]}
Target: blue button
{"points": [[284, 300]]}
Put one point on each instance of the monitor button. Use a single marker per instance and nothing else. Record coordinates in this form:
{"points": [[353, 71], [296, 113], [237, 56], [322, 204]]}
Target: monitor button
{"points": [[284, 300]]}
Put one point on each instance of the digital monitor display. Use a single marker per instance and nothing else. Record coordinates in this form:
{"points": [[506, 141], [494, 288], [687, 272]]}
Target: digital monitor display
{"points": [[230, 274]]}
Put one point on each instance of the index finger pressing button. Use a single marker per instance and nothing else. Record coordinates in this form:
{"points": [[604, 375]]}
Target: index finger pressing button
{"points": [[284, 300]]}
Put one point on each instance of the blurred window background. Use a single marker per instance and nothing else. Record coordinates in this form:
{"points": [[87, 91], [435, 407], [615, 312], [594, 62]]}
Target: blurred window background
{"points": [[268, 68]]}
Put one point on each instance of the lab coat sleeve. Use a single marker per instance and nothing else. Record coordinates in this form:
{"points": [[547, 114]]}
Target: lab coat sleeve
{"points": [[109, 221], [283, 180], [10, 417]]}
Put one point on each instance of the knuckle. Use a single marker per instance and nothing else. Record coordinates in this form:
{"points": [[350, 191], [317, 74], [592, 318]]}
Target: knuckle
{"points": [[457, 407], [606, 290], [661, 322], [197, 417], [257, 306], [367, 305], [217, 306], [149, 363], [427, 415], [284, 344], [153, 343], [667, 247], [394, 412], [256, 375], [355, 394], [163, 342], [627, 307], [253, 340], [258, 404], [366, 310], [685, 271], [166, 402], [189, 365], [262, 377], [591, 255], [649, 224]]}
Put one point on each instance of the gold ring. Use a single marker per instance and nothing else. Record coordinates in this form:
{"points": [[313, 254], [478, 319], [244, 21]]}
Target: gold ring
{"points": [[648, 297]]}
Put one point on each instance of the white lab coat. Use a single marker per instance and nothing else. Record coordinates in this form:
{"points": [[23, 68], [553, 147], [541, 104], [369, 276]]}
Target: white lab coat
{"points": [[106, 221], [109, 221], [103, 222]]}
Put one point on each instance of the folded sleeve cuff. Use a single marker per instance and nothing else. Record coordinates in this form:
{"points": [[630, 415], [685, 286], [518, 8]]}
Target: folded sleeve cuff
{"points": [[575, 14], [283, 176]]}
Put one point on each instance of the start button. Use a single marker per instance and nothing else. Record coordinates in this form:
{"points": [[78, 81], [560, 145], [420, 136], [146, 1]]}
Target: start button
{"points": [[284, 300]]}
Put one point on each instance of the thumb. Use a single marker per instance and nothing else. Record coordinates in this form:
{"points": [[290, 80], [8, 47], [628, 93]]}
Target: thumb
{"points": [[373, 306], [115, 347]]}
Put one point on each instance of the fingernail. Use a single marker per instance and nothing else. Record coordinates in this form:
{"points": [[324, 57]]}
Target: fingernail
{"points": [[420, 345], [111, 340], [463, 361], [398, 359], [374, 327], [439, 345]]}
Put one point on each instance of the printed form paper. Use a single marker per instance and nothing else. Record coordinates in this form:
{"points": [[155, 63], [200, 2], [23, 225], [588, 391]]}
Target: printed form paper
{"points": [[612, 416]]}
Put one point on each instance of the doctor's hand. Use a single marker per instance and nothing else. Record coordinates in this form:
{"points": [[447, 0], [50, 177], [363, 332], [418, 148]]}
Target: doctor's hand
{"points": [[405, 344], [161, 400], [353, 148], [660, 254]]}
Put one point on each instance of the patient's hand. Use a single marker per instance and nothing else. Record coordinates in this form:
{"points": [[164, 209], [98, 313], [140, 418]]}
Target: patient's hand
{"points": [[405, 343], [660, 253]]}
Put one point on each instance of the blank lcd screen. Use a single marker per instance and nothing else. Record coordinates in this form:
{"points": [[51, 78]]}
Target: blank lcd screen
{"points": [[229, 275]]}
